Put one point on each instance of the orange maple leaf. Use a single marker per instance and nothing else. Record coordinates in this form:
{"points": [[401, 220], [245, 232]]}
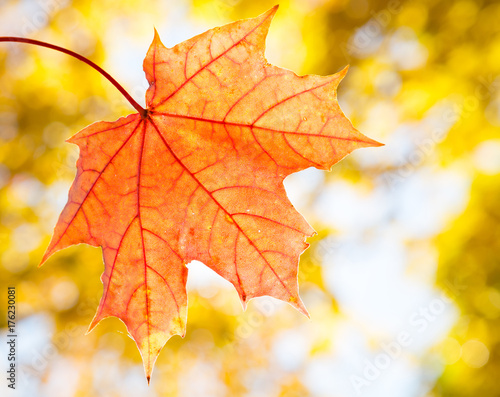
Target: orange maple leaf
{"points": [[199, 176]]}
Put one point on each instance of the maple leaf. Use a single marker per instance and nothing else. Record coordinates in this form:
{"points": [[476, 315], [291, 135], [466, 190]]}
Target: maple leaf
{"points": [[199, 176]]}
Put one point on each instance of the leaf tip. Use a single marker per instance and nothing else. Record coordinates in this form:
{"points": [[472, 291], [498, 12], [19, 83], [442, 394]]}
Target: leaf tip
{"points": [[42, 262], [156, 38], [373, 143], [364, 141], [47, 255], [96, 320], [269, 14], [272, 11], [297, 303], [343, 72]]}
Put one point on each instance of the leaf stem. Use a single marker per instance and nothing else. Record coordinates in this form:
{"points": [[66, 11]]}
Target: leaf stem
{"points": [[138, 107]]}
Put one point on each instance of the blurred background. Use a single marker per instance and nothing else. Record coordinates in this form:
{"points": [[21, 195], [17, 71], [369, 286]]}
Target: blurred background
{"points": [[403, 279]]}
